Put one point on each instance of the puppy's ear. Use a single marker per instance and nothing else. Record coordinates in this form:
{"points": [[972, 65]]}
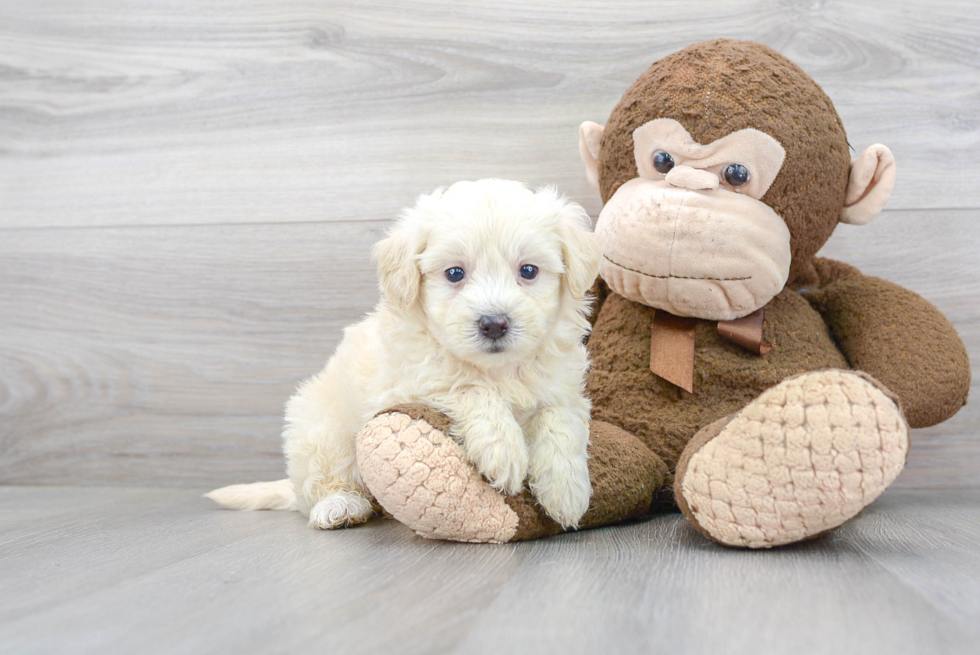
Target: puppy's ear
{"points": [[580, 250], [397, 259]]}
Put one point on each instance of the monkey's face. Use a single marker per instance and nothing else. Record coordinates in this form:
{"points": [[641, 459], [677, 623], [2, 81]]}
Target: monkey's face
{"points": [[690, 235], [715, 224]]}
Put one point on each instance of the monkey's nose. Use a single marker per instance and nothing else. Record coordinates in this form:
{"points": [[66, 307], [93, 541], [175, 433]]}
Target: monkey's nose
{"points": [[494, 327], [692, 179]]}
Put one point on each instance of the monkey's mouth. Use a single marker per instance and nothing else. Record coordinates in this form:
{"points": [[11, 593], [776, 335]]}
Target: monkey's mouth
{"points": [[676, 277]]}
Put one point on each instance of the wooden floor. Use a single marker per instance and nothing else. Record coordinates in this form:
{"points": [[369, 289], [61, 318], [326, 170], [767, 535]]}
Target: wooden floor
{"points": [[188, 196], [152, 571]]}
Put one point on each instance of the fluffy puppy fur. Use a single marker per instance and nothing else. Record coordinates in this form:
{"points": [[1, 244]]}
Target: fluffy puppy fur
{"points": [[516, 399]]}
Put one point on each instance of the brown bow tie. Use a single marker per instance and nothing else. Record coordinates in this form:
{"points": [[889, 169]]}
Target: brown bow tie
{"points": [[672, 343]]}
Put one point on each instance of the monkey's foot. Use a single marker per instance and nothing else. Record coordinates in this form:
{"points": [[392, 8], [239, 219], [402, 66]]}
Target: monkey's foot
{"points": [[419, 475], [422, 477], [801, 459]]}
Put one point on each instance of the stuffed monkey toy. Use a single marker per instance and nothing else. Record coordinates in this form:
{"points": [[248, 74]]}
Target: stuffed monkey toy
{"points": [[766, 392]]}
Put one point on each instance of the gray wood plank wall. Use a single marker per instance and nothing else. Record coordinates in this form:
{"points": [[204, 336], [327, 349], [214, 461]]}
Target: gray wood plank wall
{"points": [[188, 192]]}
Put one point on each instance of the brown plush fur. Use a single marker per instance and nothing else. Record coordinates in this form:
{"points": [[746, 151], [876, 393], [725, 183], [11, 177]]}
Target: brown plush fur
{"points": [[901, 339], [626, 393], [422, 412]]}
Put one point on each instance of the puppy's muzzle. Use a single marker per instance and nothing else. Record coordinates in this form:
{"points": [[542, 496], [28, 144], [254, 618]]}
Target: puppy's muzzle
{"points": [[494, 328]]}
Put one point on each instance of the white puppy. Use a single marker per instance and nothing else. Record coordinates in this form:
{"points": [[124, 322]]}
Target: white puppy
{"points": [[482, 316]]}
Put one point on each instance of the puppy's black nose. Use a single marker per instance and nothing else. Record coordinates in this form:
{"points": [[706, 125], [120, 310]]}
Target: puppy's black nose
{"points": [[494, 327]]}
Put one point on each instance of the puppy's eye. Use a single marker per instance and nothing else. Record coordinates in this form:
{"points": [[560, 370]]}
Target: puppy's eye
{"points": [[529, 271], [736, 175], [663, 162], [455, 274]]}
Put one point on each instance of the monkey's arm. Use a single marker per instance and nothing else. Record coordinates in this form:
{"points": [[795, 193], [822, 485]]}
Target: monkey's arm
{"points": [[830, 270], [901, 339]]}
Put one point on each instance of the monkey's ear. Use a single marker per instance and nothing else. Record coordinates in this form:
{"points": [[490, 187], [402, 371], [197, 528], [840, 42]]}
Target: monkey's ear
{"points": [[397, 259], [589, 136], [869, 186]]}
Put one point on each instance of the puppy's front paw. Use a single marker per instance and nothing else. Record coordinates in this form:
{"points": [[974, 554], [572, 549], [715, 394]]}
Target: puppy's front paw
{"points": [[505, 466], [499, 454], [563, 489]]}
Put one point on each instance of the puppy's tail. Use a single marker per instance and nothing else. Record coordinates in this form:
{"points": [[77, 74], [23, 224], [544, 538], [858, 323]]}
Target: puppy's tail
{"points": [[258, 495]]}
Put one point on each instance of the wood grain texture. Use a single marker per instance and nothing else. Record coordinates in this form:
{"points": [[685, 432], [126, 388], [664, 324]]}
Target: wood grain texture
{"points": [[122, 112], [149, 571], [152, 354]]}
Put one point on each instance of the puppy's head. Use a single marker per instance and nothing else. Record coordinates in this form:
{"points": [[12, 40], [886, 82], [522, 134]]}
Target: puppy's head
{"points": [[494, 269]]}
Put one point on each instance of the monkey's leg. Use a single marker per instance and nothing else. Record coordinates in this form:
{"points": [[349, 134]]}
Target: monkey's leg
{"points": [[801, 459], [419, 475]]}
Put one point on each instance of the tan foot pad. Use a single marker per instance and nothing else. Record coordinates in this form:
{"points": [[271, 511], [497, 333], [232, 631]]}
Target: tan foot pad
{"points": [[421, 476], [801, 459]]}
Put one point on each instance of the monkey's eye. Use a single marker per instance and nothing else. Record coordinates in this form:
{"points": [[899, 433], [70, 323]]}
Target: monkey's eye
{"points": [[529, 271], [663, 162], [736, 175], [455, 274]]}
